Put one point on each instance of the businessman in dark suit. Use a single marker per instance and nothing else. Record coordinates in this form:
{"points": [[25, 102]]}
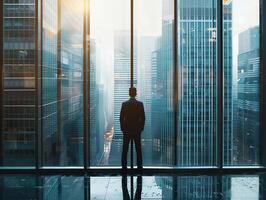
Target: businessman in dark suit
{"points": [[132, 121]]}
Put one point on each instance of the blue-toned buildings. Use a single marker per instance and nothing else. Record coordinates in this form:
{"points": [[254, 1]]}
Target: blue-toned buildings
{"points": [[196, 90], [42, 83], [64, 83], [248, 103]]}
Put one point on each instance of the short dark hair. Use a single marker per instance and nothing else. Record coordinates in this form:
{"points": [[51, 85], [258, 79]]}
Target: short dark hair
{"points": [[132, 92]]}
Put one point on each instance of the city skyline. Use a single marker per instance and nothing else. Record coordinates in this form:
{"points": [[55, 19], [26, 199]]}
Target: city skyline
{"points": [[46, 71], [198, 68]]}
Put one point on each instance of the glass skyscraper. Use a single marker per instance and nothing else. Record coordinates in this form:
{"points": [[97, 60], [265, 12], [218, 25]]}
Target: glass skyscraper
{"points": [[42, 82], [162, 105], [197, 87], [197, 71], [247, 102], [19, 90], [62, 83]]}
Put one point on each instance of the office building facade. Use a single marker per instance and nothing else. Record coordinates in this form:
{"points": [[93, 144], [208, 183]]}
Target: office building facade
{"points": [[42, 93], [19, 86], [247, 102]]}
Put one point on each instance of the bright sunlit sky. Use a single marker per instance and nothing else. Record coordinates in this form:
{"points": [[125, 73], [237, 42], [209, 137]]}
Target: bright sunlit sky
{"points": [[116, 15]]}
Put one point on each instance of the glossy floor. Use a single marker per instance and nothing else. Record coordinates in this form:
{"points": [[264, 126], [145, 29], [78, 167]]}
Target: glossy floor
{"points": [[62, 187]]}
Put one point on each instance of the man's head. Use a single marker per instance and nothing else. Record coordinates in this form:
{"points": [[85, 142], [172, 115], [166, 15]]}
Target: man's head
{"points": [[132, 92]]}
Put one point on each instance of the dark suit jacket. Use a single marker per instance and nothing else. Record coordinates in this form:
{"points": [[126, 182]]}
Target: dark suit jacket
{"points": [[132, 117]]}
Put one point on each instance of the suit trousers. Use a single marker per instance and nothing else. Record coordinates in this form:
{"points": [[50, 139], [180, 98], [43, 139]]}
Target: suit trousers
{"points": [[127, 138]]}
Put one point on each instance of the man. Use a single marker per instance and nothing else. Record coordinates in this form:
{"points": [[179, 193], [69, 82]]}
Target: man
{"points": [[132, 120]]}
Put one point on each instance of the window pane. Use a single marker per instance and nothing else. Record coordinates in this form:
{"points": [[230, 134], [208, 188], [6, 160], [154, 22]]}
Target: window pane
{"points": [[197, 83], [109, 77], [241, 79], [154, 78], [17, 138], [62, 115]]}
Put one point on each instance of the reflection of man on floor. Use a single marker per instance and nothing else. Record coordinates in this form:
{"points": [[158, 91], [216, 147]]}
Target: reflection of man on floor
{"points": [[132, 120], [138, 190]]}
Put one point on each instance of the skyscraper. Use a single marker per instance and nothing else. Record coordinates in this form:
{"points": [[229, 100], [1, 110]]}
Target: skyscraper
{"points": [[19, 89], [229, 86], [66, 145], [247, 107], [197, 87], [197, 72], [42, 82], [162, 101], [94, 106]]}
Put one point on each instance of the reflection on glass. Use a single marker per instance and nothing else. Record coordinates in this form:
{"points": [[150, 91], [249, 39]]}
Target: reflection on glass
{"points": [[198, 187], [118, 187], [17, 135], [197, 69], [241, 75], [62, 187], [244, 187], [62, 83], [18, 187]]}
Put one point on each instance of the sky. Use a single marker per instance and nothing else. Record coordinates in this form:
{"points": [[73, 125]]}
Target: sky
{"points": [[115, 14]]}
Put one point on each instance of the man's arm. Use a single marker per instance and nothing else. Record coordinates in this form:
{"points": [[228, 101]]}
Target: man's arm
{"points": [[142, 116], [122, 118]]}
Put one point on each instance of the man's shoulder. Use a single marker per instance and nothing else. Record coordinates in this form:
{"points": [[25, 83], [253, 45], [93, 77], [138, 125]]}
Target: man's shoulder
{"points": [[139, 102], [125, 102], [132, 101]]}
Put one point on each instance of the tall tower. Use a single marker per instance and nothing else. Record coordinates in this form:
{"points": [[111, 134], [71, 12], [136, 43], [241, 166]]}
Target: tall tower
{"points": [[19, 83], [247, 107], [42, 82], [197, 67]]}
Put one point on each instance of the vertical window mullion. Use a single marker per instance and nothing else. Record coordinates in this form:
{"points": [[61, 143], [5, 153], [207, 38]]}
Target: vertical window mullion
{"points": [[175, 81], [262, 83], [220, 83], [86, 85]]}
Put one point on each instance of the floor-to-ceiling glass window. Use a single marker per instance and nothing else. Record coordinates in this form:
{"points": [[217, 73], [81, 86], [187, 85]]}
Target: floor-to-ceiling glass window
{"points": [[19, 91], [62, 84], [194, 143], [49, 80], [153, 65], [109, 77], [241, 82], [197, 83]]}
